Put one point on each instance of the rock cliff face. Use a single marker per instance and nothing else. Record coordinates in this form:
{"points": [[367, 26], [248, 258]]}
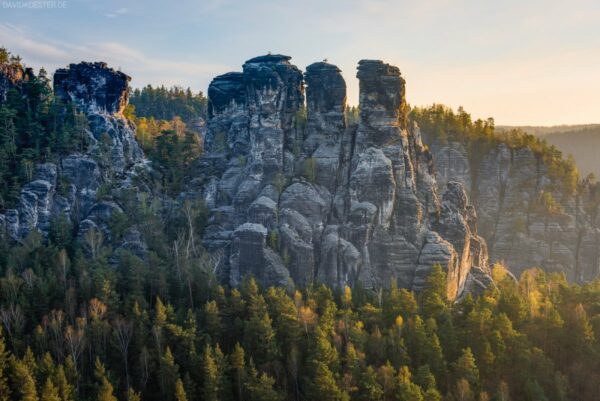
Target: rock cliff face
{"points": [[111, 160], [297, 196], [507, 186], [12, 76]]}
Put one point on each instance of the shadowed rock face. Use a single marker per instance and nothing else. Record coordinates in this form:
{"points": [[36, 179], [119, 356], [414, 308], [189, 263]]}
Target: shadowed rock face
{"points": [[114, 156], [506, 185], [225, 91], [305, 198], [93, 87]]}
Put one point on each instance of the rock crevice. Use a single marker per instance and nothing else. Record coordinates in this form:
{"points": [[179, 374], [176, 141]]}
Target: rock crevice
{"points": [[296, 196]]}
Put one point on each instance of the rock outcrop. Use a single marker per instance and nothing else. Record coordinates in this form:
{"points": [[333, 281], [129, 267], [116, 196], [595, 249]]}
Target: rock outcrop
{"points": [[509, 187], [111, 160], [12, 76], [297, 196]]}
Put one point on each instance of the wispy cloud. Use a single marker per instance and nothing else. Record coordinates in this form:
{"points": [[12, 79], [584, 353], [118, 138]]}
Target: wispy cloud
{"points": [[117, 13], [17, 41], [142, 67]]}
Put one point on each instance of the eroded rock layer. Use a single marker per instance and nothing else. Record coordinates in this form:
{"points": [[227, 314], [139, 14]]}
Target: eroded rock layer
{"points": [[109, 163], [526, 214], [297, 196]]}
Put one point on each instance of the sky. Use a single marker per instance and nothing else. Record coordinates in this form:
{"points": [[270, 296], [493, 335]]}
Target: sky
{"points": [[522, 62]]}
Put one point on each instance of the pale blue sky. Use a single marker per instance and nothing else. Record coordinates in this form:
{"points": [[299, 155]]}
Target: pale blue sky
{"points": [[519, 61]]}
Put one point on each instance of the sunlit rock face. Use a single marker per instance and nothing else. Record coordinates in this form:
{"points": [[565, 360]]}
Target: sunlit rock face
{"points": [[506, 185], [12, 76], [113, 156], [296, 196]]}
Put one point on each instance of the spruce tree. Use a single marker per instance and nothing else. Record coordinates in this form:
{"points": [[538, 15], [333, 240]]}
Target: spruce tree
{"points": [[50, 393], [180, 391], [211, 379], [23, 382], [4, 358], [104, 387]]}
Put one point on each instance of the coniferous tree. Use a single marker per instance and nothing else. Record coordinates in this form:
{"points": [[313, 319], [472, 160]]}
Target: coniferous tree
{"points": [[105, 389], [4, 360], [49, 392], [23, 383], [180, 391]]}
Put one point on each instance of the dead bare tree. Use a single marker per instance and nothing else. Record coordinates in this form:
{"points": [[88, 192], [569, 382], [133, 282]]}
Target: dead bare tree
{"points": [[63, 268], [12, 319], [53, 325], [75, 340], [94, 240], [190, 214], [123, 330]]}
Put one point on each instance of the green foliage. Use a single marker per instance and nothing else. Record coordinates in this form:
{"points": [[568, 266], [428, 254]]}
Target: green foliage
{"points": [[174, 151], [310, 169], [273, 240], [83, 322], [532, 339], [300, 118], [165, 104], [34, 126], [439, 124], [352, 115]]}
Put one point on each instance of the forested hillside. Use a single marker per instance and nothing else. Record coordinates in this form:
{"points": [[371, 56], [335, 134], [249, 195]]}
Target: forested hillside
{"points": [[533, 207], [76, 328], [107, 293], [581, 141], [163, 103]]}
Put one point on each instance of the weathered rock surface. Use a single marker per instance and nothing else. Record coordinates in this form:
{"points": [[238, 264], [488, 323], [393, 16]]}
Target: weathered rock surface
{"points": [[70, 188], [507, 186], [300, 197], [12, 76]]}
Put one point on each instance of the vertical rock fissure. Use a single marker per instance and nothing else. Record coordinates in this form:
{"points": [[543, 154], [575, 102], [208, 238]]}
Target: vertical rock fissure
{"points": [[358, 203]]}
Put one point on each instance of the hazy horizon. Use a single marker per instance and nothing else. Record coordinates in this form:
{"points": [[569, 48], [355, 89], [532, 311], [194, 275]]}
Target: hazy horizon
{"points": [[505, 61]]}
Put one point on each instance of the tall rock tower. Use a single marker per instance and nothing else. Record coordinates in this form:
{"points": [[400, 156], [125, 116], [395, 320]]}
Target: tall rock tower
{"points": [[297, 196]]}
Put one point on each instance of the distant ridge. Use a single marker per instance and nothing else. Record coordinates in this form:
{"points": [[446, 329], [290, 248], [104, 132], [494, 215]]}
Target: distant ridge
{"points": [[581, 140]]}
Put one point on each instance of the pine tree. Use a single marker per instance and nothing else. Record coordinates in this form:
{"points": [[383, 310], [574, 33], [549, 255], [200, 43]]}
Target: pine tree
{"points": [[65, 390], [180, 391], [369, 388], [133, 395], [465, 368], [212, 320], [50, 393], [4, 358], [259, 338], [406, 390], [237, 363], [324, 385], [169, 374], [259, 387], [23, 382], [434, 298], [211, 378], [105, 389]]}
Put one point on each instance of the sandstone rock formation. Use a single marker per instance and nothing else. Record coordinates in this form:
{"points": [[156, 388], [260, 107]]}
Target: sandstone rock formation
{"points": [[297, 196], [12, 76], [506, 186], [112, 158]]}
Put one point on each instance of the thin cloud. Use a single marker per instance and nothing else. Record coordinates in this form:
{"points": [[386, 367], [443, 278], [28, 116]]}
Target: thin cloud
{"points": [[15, 40], [142, 67], [117, 13]]}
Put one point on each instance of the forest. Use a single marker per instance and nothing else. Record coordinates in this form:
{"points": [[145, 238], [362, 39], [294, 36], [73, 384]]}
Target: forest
{"points": [[441, 123], [81, 320], [80, 325]]}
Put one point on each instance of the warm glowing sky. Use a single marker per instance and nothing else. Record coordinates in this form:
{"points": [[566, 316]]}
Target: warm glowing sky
{"points": [[521, 61]]}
